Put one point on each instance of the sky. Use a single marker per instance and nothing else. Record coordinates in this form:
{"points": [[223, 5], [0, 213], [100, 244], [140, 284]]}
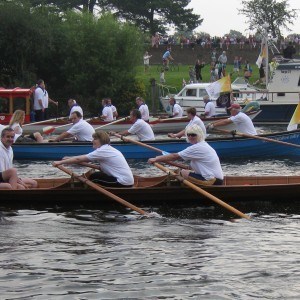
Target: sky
{"points": [[222, 16]]}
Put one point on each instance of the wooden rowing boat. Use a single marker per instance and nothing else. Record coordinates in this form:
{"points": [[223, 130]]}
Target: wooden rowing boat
{"points": [[155, 191], [226, 147]]}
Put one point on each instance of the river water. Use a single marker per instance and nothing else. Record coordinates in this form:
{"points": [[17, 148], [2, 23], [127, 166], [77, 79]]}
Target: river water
{"points": [[189, 253]]}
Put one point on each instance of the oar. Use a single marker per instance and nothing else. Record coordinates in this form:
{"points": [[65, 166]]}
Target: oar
{"points": [[111, 123], [126, 139], [256, 137], [41, 122], [203, 192], [50, 129], [102, 190], [172, 119]]}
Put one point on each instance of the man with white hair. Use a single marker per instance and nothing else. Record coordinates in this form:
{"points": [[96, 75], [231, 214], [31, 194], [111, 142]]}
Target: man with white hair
{"points": [[210, 108], [205, 164], [242, 122]]}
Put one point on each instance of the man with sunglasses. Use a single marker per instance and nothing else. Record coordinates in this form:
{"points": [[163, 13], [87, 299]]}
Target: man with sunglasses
{"points": [[194, 120], [205, 167]]}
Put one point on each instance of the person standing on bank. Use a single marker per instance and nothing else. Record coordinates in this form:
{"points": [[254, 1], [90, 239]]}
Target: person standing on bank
{"points": [[177, 111], [141, 128], [205, 164], [143, 108], [242, 122], [81, 130], [41, 101], [8, 174], [115, 171], [194, 120], [74, 107]]}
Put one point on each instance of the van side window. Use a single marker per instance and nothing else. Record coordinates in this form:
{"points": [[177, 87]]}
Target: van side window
{"points": [[202, 93], [191, 92]]}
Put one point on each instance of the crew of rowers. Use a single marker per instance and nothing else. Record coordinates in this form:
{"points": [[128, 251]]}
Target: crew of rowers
{"points": [[205, 167]]}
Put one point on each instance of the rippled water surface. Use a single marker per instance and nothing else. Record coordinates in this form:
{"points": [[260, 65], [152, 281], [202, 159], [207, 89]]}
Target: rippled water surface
{"points": [[189, 253]]}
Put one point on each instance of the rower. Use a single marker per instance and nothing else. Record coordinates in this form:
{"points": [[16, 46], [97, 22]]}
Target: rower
{"points": [[242, 122], [74, 106], [115, 171], [177, 111], [143, 108], [210, 108], [141, 128], [113, 108], [8, 175], [81, 130], [107, 112], [191, 114], [205, 164]]}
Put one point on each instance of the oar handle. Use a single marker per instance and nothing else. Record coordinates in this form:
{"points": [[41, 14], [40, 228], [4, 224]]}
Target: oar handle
{"points": [[101, 190], [203, 192]]}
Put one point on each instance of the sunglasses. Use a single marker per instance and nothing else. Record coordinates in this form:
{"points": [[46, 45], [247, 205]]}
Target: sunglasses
{"points": [[191, 134]]}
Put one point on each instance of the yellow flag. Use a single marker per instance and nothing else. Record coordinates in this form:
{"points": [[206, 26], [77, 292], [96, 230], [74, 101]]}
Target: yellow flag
{"points": [[295, 120], [222, 85]]}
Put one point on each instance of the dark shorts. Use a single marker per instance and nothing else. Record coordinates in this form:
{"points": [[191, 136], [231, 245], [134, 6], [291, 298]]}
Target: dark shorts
{"points": [[106, 180], [200, 180], [26, 139], [1, 178]]}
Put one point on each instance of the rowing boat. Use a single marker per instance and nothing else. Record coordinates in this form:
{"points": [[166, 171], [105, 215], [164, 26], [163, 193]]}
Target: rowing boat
{"points": [[226, 147], [158, 125], [156, 190]]}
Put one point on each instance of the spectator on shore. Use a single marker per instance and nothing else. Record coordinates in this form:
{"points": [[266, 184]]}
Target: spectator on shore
{"points": [[223, 61], [192, 74], [198, 67], [236, 68], [167, 57], [247, 71], [162, 76], [146, 61]]}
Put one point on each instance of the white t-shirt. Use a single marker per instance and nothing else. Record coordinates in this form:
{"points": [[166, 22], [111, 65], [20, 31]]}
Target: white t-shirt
{"points": [[210, 109], [1, 128], [143, 130], [108, 113], [6, 157], [197, 121], [18, 130], [144, 112], [46, 99], [243, 123], [38, 95], [146, 59], [204, 160], [114, 109], [83, 131], [76, 108], [177, 110], [112, 163]]}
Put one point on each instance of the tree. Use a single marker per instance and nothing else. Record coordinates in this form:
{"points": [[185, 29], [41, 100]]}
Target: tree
{"points": [[275, 13], [156, 15]]}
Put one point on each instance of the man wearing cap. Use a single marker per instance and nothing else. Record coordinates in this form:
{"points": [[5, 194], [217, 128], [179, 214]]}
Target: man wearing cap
{"points": [[205, 164], [177, 111], [242, 122], [210, 108]]}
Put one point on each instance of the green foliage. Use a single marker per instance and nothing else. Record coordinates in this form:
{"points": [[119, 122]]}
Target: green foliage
{"points": [[276, 14]]}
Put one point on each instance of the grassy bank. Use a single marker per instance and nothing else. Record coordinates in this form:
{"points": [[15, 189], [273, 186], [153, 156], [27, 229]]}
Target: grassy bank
{"points": [[175, 78]]}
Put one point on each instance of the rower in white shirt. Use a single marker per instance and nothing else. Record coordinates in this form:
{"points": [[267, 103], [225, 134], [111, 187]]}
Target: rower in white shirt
{"points": [[74, 107], [141, 128], [177, 111], [143, 108], [107, 112]]}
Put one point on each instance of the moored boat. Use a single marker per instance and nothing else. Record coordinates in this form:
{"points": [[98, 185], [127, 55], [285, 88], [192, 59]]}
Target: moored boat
{"points": [[226, 147], [156, 190]]}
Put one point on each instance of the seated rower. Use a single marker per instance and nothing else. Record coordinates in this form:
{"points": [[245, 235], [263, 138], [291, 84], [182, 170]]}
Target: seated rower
{"points": [[113, 108], [191, 114], [81, 130], [16, 122], [205, 164], [210, 108], [107, 112], [242, 122], [74, 107], [141, 128], [177, 111], [115, 171], [8, 175]]}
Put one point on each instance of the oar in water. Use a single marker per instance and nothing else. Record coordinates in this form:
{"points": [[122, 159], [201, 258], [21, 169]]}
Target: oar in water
{"points": [[256, 137], [111, 123], [126, 139], [102, 190], [203, 192], [51, 129]]}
